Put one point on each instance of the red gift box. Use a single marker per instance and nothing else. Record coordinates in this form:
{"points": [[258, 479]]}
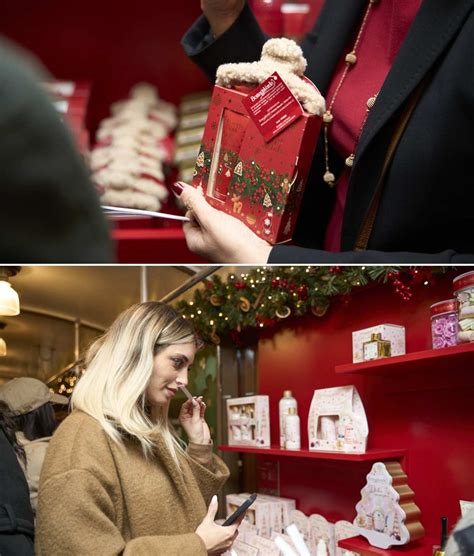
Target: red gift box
{"points": [[261, 183]]}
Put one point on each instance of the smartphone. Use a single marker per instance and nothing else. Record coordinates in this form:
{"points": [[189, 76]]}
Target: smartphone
{"points": [[240, 510]]}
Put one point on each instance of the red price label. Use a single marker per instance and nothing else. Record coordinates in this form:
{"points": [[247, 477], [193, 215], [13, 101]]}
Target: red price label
{"points": [[272, 107]]}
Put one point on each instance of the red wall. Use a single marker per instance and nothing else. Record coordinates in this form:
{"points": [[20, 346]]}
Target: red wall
{"points": [[432, 416], [113, 44]]}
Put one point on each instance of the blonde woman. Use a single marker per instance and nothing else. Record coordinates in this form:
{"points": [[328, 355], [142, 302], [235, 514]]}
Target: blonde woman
{"points": [[116, 480]]}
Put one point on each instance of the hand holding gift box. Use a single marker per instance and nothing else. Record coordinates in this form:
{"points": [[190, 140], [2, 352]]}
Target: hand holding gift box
{"points": [[254, 161]]}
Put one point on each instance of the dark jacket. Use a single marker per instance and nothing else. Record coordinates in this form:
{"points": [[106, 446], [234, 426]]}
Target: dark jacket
{"points": [[49, 211], [16, 515], [426, 210]]}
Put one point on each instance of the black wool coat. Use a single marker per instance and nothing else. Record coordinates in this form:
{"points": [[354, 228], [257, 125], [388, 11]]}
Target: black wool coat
{"points": [[427, 205], [49, 210], [16, 515]]}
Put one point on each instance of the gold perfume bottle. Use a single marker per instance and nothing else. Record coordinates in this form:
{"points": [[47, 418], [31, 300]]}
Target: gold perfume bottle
{"points": [[376, 348]]}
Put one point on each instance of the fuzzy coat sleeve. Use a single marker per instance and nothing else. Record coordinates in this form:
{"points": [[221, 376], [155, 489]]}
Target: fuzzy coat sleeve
{"points": [[93, 530], [209, 470]]}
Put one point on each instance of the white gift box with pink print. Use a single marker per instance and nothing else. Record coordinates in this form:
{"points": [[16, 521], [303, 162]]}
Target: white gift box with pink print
{"points": [[394, 333], [337, 421], [248, 421]]}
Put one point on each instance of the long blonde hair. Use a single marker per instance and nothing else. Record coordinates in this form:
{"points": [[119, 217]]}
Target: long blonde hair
{"points": [[118, 369]]}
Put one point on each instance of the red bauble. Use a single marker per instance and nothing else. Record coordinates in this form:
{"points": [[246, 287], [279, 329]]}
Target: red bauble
{"points": [[239, 285], [335, 269]]}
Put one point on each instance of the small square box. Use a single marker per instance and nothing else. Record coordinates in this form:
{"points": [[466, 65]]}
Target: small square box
{"points": [[393, 333], [248, 422]]}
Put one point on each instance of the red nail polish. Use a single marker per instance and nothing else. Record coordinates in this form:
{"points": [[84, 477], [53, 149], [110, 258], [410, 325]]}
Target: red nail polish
{"points": [[177, 188]]}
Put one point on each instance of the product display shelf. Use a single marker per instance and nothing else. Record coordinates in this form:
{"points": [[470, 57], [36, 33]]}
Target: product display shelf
{"points": [[422, 547], [371, 455], [445, 360], [159, 245]]}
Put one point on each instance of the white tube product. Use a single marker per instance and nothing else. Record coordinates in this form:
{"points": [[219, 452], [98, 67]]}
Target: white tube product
{"points": [[298, 541], [284, 405], [284, 547], [321, 548], [292, 430]]}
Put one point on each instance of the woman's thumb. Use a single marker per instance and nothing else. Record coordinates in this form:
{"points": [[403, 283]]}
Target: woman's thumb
{"points": [[212, 509]]}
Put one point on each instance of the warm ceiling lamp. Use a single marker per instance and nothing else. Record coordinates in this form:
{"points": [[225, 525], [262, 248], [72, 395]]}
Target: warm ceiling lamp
{"points": [[3, 344], [9, 301]]}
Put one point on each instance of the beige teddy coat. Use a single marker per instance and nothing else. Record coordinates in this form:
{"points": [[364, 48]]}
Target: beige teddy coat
{"points": [[97, 497]]}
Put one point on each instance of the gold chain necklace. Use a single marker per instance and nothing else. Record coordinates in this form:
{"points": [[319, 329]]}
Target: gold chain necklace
{"points": [[350, 60]]}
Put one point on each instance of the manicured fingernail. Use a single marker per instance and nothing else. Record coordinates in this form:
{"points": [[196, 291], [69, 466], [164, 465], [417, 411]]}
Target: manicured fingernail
{"points": [[177, 188]]}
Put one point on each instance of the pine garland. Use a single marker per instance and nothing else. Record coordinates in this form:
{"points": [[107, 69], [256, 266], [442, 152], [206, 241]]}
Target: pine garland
{"points": [[268, 295]]}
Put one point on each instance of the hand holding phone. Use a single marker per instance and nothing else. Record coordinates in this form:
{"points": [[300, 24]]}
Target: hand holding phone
{"points": [[240, 510]]}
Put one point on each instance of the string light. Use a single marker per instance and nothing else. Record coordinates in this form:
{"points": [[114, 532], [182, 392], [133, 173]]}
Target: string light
{"points": [[249, 300]]}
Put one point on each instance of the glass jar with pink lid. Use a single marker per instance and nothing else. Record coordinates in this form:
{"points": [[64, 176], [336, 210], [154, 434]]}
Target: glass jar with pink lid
{"points": [[463, 286], [444, 323]]}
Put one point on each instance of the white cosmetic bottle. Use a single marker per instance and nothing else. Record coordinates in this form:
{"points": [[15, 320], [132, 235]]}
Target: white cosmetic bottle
{"points": [[321, 549], [287, 402], [292, 430]]}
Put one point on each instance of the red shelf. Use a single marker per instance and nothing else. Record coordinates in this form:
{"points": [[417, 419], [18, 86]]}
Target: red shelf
{"points": [[433, 360], [153, 245], [423, 547], [370, 455]]}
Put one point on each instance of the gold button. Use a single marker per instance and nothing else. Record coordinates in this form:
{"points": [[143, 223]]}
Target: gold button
{"points": [[327, 117], [329, 178], [371, 102], [351, 58]]}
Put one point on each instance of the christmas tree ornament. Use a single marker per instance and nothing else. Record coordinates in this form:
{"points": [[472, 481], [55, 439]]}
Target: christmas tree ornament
{"points": [[215, 300], [283, 312], [387, 514], [237, 204], [267, 202], [238, 169], [200, 159], [244, 304], [319, 310], [214, 337]]}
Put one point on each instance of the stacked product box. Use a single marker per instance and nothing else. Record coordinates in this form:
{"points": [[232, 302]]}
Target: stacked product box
{"points": [[71, 99], [193, 111]]}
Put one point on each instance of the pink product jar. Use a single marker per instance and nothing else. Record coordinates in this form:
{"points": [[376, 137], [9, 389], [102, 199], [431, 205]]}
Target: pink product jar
{"points": [[464, 291], [444, 323]]}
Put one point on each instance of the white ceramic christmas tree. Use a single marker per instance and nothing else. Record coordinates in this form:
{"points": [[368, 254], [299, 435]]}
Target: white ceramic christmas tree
{"points": [[387, 514]]}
